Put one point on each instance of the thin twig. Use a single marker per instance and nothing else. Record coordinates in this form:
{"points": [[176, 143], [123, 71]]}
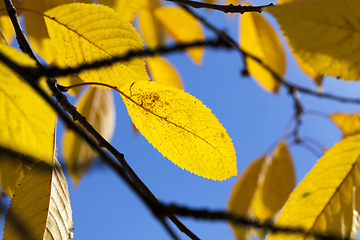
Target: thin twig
{"points": [[223, 8], [206, 214]]}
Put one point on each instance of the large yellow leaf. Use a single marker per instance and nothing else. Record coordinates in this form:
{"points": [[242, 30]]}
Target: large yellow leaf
{"points": [[183, 27], [348, 123], [13, 167], [324, 200], [310, 71], [242, 195], [181, 128], [278, 183], [325, 34], [164, 72], [26, 120], [41, 207], [127, 8], [150, 28], [97, 105], [260, 39], [85, 33]]}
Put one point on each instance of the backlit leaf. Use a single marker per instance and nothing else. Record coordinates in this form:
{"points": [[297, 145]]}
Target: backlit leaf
{"points": [[40, 208], [242, 195], [127, 8], [323, 201], [325, 34], [98, 106], [13, 167], [183, 27], [26, 120], [348, 123], [164, 72], [181, 128], [7, 29], [150, 28], [260, 39], [86, 33], [278, 183]]}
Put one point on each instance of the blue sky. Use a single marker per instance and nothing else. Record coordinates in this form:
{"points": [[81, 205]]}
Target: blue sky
{"points": [[105, 208]]}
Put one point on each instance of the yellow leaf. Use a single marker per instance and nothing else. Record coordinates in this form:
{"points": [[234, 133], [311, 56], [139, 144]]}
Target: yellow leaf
{"points": [[181, 128], [348, 123], [7, 29], [308, 70], [183, 27], [323, 201], [150, 28], [260, 39], [325, 34], [242, 195], [98, 106], [278, 183], [26, 120], [41, 207], [164, 72], [13, 167], [84, 33], [127, 8]]}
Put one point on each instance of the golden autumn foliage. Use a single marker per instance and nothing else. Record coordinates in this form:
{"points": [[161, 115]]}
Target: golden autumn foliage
{"points": [[323, 37]]}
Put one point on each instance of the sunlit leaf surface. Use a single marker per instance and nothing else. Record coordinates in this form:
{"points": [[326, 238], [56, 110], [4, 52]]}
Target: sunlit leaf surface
{"points": [[325, 34], [87, 32], [181, 128], [348, 123]]}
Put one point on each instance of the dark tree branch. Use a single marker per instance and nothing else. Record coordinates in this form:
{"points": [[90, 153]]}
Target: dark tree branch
{"points": [[58, 72], [206, 214], [223, 8]]}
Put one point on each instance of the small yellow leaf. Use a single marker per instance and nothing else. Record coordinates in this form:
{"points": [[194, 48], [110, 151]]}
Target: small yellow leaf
{"points": [[13, 167], [279, 181], [98, 106], [242, 195], [183, 27], [260, 39], [127, 8], [325, 34], [348, 123], [323, 202], [181, 128], [164, 72], [41, 207], [26, 120], [84, 33], [150, 28]]}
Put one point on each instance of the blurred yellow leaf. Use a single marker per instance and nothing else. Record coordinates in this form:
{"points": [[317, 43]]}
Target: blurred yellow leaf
{"points": [[181, 128], [260, 39], [323, 202], [164, 72], [26, 120], [41, 207], [348, 123], [325, 39], [82, 34], [13, 167], [242, 195], [7, 29], [98, 106], [150, 28], [127, 8], [278, 183], [183, 27]]}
